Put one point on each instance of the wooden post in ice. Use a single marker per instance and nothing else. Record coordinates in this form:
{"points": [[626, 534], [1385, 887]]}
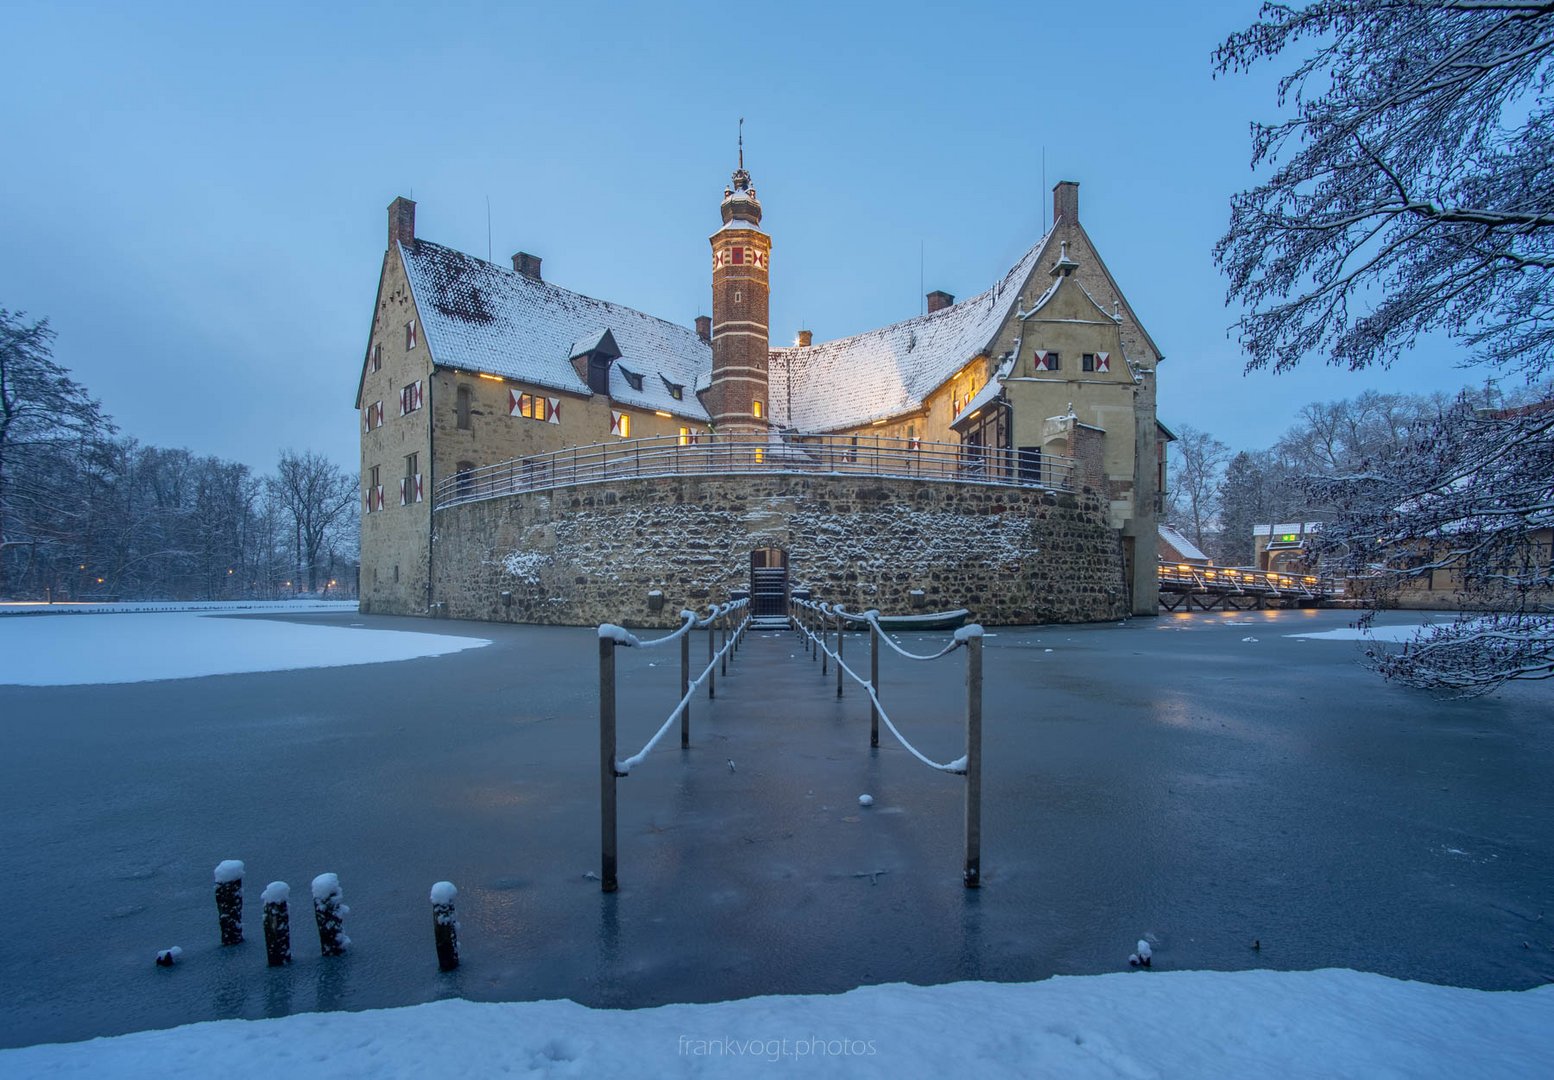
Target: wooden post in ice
{"points": [[974, 757], [606, 761], [277, 923], [330, 914], [874, 682], [229, 900], [445, 928], [825, 652], [723, 663], [841, 628], [685, 688], [712, 676]]}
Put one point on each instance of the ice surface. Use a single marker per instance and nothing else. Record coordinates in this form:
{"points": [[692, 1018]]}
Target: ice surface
{"points": [[145, 647], [229, 870], [1209, 1025], [1375, 633]]}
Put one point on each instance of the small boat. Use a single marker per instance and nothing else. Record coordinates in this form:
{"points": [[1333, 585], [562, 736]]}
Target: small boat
{"points": [[937, 620]]}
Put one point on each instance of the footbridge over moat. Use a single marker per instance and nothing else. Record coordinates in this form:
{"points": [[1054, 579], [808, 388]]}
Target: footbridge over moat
{"points": [[1190, 587]]}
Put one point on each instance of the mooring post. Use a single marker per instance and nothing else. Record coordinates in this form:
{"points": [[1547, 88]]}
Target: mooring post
{"points": [[445, 928], [277, 923], [874, 682], [841, 628], [229, 900], [685, 688], [712, 676], [330, 913], [607, 763], [723, 663], [825, 653], [974, 761]]}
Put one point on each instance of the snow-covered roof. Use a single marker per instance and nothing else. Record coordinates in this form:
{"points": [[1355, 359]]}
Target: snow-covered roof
{"points": [[478, 316], [883, 373], [1184, 548], [1288, 527]]}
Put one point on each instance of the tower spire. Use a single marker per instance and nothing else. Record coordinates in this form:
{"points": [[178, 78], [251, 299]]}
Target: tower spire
{"points": [[741, 142], [741, 179]]}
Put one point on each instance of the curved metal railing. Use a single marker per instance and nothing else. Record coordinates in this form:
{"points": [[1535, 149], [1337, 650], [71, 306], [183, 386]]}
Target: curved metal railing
{"points": [[713, 455]]}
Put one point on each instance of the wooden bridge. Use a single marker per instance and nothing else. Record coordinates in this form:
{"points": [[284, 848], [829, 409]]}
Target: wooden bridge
{"points": [[1189, 587]]}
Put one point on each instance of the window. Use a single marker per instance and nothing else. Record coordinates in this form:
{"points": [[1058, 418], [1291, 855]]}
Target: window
{"points": [[1045, 360], [410, 335], [688, 437], [633, 379], [377, 357], [620, 424], [1087, 362], [738, 296], [676, 390], [463, 407], [374, 490], [757, 409], [739, 256], [534, 407], [410, 398], [410, 486]]}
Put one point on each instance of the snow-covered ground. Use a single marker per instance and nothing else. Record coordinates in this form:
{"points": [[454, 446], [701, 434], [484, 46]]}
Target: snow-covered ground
{"points": [[1147, 1024], [139, 647], [1405, 632]]}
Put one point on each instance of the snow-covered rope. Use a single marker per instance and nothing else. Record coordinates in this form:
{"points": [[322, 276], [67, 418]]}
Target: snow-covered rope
{"points": [[873, 619], [624, 767], [962, 635], [621, 636]]}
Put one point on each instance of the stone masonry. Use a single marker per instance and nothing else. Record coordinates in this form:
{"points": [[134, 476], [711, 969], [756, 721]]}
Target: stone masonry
{"points": [[596, 553]]}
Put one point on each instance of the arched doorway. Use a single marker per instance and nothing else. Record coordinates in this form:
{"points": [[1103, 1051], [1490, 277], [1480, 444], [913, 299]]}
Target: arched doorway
{"points": [[768, 582]]}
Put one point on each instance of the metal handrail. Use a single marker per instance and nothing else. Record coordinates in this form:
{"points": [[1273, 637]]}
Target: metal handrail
{"points": [[718, 454], [1241, 580]]}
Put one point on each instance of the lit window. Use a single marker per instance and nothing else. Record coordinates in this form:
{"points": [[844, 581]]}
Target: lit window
{"points": [[620, 424], [688, 437], [757, 409], [533, 406]]}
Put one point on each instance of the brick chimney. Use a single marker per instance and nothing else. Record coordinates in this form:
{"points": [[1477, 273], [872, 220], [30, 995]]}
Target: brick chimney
{"points": [[401, 221], [527, 265], [938, 300], [704, 327], [1065, 202], [806, 338]]}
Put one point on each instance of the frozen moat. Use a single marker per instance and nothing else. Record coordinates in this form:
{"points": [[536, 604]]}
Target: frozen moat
{"points": [[1167, 777]]}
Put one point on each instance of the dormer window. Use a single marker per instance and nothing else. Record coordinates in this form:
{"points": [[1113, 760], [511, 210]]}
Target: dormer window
{"points": [[633, 379], [676, 390]]}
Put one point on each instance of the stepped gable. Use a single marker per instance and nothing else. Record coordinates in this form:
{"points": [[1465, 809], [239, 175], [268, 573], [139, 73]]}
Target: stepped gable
{"points": [[883, 373], [480, 317]]}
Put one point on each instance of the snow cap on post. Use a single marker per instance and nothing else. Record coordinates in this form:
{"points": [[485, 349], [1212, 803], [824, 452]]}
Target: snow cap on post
{"points": [[229, 870], [276, 892]]}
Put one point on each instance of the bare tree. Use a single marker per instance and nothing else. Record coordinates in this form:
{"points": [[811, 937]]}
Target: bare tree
{"points": [[1411, 186], [315, 495], [49, 430], [1458, 505], [1197, 464]]}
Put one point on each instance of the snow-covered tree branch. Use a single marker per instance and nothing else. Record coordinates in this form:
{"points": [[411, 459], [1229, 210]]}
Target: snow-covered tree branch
{"points": [[1411, 186]]}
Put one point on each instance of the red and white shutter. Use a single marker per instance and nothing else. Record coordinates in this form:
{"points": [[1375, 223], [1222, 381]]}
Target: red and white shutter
{"points": [[368, 500], [1041, 360], [367, 419], [379, 491], [417, 402], [417, 487], [1103, 361], [404, 401], [410, 335], [615, 422], [378, 414], [554, 413], [514, 403], [404, 482]]}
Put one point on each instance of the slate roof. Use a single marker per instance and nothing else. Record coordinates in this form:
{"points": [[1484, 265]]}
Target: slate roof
{"points": [[478, 316], [890, 371]]}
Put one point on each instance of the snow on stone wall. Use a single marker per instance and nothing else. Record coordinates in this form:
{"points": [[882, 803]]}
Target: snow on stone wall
{"points": [[594, 553]]}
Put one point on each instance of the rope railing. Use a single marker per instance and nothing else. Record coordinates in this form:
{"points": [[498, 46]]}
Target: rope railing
{"points": [[814, 620], [613, 768]]}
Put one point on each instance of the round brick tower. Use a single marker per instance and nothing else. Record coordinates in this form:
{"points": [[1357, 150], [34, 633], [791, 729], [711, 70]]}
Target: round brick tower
{"points": [[741, 293]]}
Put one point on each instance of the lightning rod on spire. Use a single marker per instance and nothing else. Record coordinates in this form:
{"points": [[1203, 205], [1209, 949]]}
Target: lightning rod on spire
{"points": [[741, 142]]}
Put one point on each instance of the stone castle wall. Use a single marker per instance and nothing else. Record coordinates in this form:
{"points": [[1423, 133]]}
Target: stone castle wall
{"points": [[595, 553]]}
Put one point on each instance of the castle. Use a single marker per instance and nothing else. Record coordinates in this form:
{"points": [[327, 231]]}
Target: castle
{"points": [[532, 454]]}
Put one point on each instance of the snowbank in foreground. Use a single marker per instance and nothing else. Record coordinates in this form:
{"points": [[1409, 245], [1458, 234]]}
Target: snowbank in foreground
{"points": [[1189, 1024], [122, 607], [1375, 633], [140, 648]]}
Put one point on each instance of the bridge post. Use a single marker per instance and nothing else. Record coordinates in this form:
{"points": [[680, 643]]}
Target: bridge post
{"points": [[973, 875], [825, 653], [685, 689], [723, 619], [841, 629], [607, 776], [874, 682], [712, 676]]}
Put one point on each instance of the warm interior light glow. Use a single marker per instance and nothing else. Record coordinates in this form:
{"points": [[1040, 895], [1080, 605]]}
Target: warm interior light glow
{"points": [[661, 412], [877, 423], [493, 378]]}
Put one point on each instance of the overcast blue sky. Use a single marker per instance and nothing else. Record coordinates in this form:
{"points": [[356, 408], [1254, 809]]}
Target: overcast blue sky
{"points": [[195, 194]]}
